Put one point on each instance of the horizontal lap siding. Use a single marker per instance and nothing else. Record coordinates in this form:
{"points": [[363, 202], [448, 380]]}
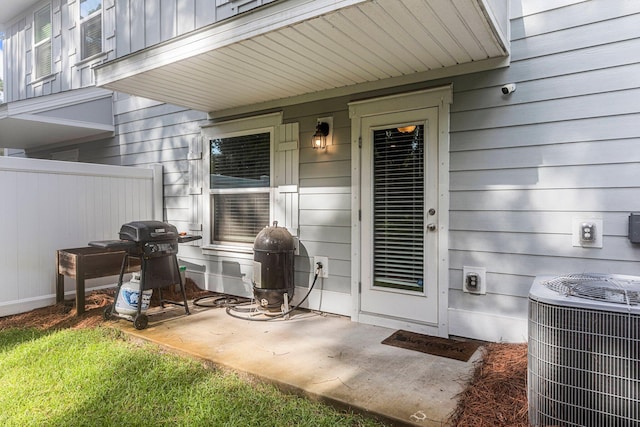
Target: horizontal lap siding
{"points": [[325, 195], [566, 144], [161, 134]]}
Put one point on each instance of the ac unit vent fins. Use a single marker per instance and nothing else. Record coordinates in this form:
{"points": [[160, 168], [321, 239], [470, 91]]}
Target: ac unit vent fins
{"points": [[614, 288]]}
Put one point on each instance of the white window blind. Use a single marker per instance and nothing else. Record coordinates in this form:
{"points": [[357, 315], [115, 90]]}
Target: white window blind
{"points": [[240, 186], [399, 208], [42, 42]]}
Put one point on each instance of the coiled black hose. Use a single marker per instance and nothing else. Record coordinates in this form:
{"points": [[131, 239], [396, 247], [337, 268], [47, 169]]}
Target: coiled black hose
{"points": [[253, 319]]}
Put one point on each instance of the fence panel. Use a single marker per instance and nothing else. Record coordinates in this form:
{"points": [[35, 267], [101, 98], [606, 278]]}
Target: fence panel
{"points": [[47, 205]]}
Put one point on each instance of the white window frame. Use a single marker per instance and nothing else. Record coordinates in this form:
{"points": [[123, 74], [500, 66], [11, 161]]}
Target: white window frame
{"points": [[38, 44], [83, 21], [240, 127]]}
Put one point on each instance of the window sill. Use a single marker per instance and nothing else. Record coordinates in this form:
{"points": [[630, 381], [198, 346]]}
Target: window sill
{"points": [[50, 76], [227, 250], [91, 58]]}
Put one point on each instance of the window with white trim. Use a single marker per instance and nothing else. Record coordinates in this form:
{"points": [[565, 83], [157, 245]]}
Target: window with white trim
{"points": [[240, 181], [42, 42], [90, 28], [250, 167]]}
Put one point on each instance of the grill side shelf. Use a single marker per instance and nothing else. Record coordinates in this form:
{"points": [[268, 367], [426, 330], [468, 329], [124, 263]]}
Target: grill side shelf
{"points": [[185, 239]]}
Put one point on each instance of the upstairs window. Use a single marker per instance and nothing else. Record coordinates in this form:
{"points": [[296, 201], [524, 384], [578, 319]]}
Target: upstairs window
{"points": [[90, 28], [42, 42], [239, 187]]}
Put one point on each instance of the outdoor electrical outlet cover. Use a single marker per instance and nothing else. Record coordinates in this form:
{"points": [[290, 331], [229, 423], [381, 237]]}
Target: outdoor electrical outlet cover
{"points": [[479, 274], [324, 273], [578, 225]]}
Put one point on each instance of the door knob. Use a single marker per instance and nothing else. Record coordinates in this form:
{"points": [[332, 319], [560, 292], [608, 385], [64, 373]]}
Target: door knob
{"points": [[431, 227]]}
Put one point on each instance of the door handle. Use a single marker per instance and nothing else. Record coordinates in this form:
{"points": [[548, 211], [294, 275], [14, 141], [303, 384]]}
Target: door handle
{"points": [[431, 227]]}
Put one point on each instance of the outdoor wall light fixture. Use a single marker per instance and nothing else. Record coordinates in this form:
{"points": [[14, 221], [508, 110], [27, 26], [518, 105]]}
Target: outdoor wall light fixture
{"points": [[319, 139]]}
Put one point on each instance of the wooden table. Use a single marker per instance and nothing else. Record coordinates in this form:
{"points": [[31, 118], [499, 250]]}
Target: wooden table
{"points": [[88, 263]]}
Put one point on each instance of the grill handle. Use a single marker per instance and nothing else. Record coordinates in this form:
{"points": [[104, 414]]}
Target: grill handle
{"points": [[113, 244]]}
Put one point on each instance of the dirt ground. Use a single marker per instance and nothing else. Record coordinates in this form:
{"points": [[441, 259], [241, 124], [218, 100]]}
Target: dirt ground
{"points": [[496, 395]]}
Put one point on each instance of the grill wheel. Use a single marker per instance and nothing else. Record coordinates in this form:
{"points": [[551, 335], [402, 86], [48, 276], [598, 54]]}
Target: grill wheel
{"points": [[140, 321]]}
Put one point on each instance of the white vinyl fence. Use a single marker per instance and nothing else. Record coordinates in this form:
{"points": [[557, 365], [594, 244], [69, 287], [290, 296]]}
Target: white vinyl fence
{"points": [[47, 205]]}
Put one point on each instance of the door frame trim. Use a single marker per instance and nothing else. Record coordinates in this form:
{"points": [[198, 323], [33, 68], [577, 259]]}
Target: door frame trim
{"points": [[440, 97]]}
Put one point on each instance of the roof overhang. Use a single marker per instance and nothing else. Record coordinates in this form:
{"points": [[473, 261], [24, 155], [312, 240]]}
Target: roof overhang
{"points": [[306, 49], [66, 117], [11, 9]]}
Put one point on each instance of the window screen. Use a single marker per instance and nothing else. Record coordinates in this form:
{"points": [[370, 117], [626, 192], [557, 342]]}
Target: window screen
{"points": [[239, 184], [399, 208]]}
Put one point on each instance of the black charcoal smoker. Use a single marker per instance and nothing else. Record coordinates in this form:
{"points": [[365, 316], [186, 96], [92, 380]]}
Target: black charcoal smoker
{"points": [[156, 244], [273, 284]]}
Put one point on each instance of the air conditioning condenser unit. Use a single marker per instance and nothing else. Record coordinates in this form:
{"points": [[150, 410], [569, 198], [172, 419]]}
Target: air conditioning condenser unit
{"points": [[584, 351]]}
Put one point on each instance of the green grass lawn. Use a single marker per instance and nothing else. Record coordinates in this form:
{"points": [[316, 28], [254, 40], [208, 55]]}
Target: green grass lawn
{"points": [[97, 377]]}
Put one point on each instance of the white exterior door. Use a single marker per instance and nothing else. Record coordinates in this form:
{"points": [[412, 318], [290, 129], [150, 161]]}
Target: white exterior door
{"points": [[402, 216], [399, 215]]}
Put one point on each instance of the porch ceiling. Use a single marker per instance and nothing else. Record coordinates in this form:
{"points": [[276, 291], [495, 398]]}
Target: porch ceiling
{"points": [[65, 117], [301, 48]]}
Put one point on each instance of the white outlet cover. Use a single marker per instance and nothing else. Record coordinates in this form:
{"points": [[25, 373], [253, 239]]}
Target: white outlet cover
{"points": [[575, 232], [324, 273], [482, 274]]}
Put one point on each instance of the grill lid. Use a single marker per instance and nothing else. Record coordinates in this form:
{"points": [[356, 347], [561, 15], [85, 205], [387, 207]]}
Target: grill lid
{"points": [[148, 231], [615, 288]]}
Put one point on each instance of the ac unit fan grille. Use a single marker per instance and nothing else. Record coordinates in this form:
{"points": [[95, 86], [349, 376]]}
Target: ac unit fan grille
{"points": [[584, 367], [613, 288]]}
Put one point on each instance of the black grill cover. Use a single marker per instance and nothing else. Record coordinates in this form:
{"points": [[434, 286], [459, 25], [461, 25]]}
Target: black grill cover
{"points": [[148, 231]]}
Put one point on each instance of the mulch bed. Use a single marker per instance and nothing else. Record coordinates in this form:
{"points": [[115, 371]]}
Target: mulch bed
{"points": [[495, 397], [497, 393], [63, 315]]}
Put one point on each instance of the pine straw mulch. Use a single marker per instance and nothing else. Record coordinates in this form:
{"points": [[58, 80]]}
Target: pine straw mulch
{"points": [[497, 393], [495, 397], [63, 315]]}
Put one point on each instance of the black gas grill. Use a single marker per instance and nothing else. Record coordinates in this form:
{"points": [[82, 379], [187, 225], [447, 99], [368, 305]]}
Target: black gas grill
{"points": [[156, 244]]}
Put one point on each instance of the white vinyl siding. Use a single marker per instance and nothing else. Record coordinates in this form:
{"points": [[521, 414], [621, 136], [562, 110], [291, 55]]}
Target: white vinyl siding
{"points": [[563, 146], [42, 42]]}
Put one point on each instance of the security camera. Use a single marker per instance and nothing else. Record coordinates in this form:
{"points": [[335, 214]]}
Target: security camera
{"points": [[508, 88]]}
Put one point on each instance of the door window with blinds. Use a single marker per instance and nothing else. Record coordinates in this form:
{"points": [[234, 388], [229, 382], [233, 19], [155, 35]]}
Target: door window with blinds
{"points": [[90, 28], [239, 187], [398, 207], [42, 42]]}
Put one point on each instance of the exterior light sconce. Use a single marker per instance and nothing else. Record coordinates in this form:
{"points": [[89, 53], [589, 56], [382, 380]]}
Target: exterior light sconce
{"points": [[319, 139]]}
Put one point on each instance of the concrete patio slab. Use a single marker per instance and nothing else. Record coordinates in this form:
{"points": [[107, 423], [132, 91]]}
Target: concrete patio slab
{"points": [[323, 356]]}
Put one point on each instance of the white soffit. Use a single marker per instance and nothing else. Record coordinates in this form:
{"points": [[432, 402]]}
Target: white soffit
{"points": [[295, 48]]}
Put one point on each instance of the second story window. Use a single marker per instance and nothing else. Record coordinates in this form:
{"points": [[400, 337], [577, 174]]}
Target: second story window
{"points": [[42, 42], [90, 27]]}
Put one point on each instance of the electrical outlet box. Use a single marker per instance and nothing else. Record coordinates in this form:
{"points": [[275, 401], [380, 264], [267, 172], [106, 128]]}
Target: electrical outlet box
{"points": [[474, 280], [586, 232], [634, 227], [324, 273]]}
